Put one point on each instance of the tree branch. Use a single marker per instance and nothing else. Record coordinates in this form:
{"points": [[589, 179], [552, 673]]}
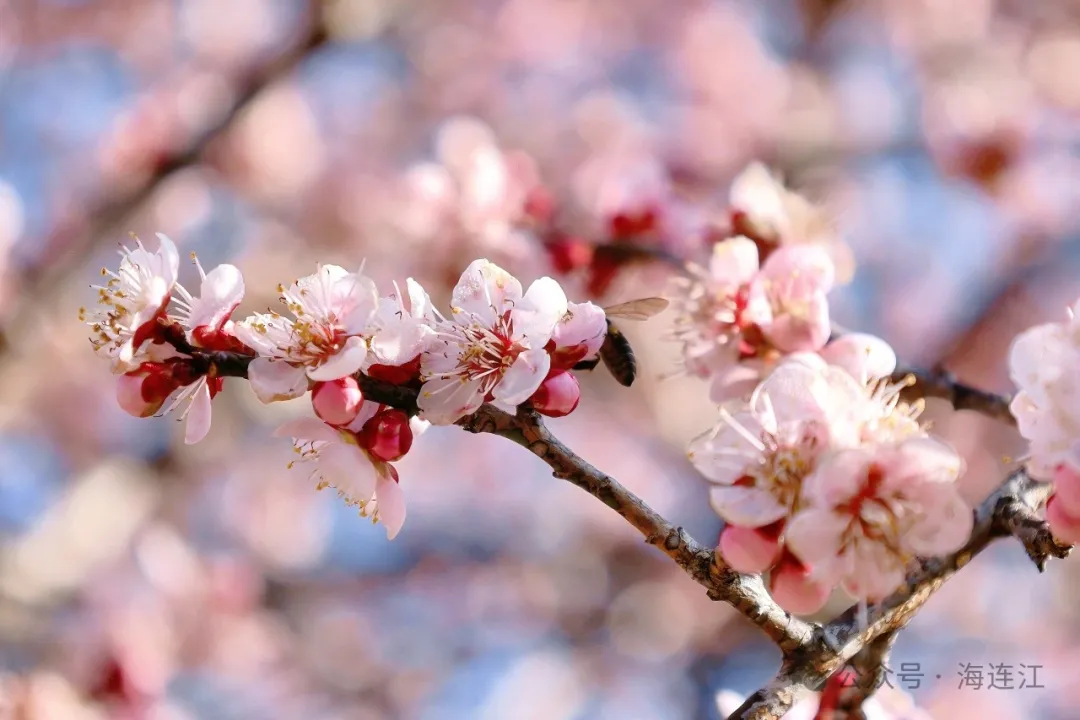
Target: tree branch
{"points": [[940, 384]]}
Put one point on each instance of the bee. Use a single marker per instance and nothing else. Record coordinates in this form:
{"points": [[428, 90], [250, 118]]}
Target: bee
{"points": [[616, 353]]}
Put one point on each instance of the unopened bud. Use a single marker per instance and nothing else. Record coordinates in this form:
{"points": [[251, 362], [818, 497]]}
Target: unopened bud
{"points": [[557, 396], [1067, 489], [388, 435], [337, 402], [1063, 526]]}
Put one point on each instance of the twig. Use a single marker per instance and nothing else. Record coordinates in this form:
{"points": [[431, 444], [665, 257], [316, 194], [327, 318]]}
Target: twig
{"points": [[940, 384]]}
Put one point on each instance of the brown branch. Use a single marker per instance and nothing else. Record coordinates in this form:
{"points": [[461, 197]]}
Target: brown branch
{"points": [[942, 385]]}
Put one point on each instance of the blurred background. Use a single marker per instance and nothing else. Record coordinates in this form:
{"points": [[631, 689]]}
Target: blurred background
{"points": [[142, 578]]}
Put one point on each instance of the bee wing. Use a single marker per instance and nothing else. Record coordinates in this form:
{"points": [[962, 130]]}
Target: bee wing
{"points": [[642, 309]]}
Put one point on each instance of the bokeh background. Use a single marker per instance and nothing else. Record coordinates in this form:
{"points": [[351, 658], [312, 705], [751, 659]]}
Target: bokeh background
{"points": [[141, 578]]}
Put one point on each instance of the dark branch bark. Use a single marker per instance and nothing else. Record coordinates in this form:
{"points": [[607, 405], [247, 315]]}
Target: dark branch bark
{"points": [[928, 384]]}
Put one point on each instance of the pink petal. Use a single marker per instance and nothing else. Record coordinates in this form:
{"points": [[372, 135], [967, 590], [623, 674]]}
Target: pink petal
{"points": [[746, 506], [198, 415], [863, 356], [946, 525], [419, 301], [923, 460], [522, 378], [308, 429], [358, 299], [814, 536], [839, 477], [1063, 526], [1067, 489], [275, 380], [803, 269], [736, 383], [873, 572], [748, 551], [586, 324], [756, 192], [713, 454], [805, 331], [398, 342], [485, 289], [347, 361], [368, 410], [391, 504], [733, 262]]}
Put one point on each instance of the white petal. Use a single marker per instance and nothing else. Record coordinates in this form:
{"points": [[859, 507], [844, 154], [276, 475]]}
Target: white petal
{"points": [[262, 342], [348, 468], [346, 362], [419, 301], [486, 290], [308, 429], [734, 261], [368, 410], [946, 525], [444, 401], [391, 504], [357, 299], [536, 315], [274, 380], [399, 341], [756, 192], [814, 536], [584, 324], [724, 456], [170, 259], [197, 424], [222, 290], [523, 377], [1037, 357], [871, 571], [745, 506], [862, 356]]}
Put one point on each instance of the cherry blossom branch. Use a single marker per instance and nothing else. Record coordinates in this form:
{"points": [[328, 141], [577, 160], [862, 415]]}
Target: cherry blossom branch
{"points": [[943, 385]]}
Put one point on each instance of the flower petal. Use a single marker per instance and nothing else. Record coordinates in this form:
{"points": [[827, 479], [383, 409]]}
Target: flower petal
{"points": [[522, 378], [197, 424], [945, 526], [815, 536], [169, 259], [747, 507], [863, 356], [444, 401], [538, 312], [391, 504], [346, 362], [348, 469], [221, 292], [485, 290], [275, 380], [734, 262], [308, 429]]}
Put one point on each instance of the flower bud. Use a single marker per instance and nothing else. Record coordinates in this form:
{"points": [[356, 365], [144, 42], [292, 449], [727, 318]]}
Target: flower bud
{"points": [[1064, 526], [388, 435], [337, 402], [557, 396], [749, 550], [793, 589], [142, 392]]}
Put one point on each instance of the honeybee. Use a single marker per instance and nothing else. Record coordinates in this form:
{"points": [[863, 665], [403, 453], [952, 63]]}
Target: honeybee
{"points": [[616, 353]]}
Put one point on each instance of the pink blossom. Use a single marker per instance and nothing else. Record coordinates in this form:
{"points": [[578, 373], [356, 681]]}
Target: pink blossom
{"points": [[132, 301], [765, 210], [865, 357], [750, 550], [207, 318], [794, 587], [337, 402], [332, 309], [493, 347], [868, 511], [796, 281], [1044, 362], [758, 456], [360, 478]]}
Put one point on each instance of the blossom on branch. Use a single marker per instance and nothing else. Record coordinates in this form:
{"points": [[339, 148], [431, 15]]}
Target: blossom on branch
{"points": [[132, 301], [493, 347], [332, 309]]}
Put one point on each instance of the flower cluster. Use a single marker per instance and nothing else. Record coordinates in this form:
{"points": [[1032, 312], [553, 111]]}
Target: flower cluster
{"points": [[500, 345], [763, 294], [825, 477], [1044, 362]]}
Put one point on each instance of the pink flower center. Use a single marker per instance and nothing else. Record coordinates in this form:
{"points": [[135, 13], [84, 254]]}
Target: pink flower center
{"points": [[488, 352]]}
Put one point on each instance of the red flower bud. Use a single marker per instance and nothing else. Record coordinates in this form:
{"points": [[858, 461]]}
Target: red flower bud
{"points": [[396, 374], [557, 396], [337, 402], [387, 435], [142, 392]]}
